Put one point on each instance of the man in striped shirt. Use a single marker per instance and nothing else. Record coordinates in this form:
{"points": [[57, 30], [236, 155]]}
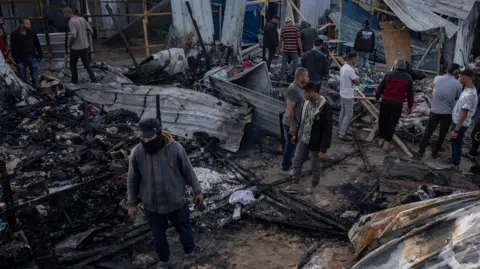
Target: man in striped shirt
{"points": [[290, 46]]}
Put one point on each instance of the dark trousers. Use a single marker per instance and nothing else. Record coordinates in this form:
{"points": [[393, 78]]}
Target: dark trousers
{"points": [[83, 55], [32, 64], [159, 224], [289, 149], [457, 144], [388, 119], [475, 139], [271, 54], [445, 121]]}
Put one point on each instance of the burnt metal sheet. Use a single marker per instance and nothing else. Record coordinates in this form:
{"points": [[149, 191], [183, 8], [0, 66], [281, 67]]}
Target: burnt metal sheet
{"points": [[134, 27], [232, 31], [184, 111], [466, 36], [12, 88], [419, 17], [312, 10], [266, 109], [185, 34], [457, 9], [256, 79], [436, 233]]}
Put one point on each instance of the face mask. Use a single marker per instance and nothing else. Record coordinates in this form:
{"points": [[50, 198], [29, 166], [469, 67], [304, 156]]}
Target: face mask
{"points": [[155, 145]]}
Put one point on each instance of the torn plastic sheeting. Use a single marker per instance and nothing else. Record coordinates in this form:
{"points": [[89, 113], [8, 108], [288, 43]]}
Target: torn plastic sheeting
{"points": [[171, 61], [437, 233], [184, 111], [243, 197], [12, 88]]}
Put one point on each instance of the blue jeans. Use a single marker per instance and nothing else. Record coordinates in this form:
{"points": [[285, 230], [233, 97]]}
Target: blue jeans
{"points": [[363, 59], [159, 224], [285, 58], [289, 149], [457, 145], [32, 64]]}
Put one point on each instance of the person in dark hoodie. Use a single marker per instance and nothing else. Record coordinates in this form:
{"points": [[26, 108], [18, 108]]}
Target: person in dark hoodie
{"points": [[394, 87], [308, 36], [364, 44], [26, 51], [313, 137], [316, 62], [270, 40], [158, 171]]}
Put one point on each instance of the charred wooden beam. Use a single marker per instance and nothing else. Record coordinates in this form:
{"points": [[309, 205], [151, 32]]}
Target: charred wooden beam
{"points": [[7, 196]]}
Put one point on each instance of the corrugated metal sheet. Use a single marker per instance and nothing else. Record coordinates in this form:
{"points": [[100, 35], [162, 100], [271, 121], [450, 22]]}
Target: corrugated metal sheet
{"points": [[437, 233], [266, 110], [184, 30], [232, 30], [12, 89], [314, 9], [184, 111], [419, 17], [256, 79], [135, 26], [466, 36], [457, 8]]}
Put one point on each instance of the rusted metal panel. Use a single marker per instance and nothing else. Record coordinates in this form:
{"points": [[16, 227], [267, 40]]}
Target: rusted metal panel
{"points": [[436, 233]]}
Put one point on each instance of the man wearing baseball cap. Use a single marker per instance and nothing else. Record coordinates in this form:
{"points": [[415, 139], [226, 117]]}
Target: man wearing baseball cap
{"points": [[158, 171], [316, 62], [290, 46]]}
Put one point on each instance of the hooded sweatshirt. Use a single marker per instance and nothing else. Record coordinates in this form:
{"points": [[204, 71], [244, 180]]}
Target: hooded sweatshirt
{"points": [[160, 179], [319, 123], [308, 36]]}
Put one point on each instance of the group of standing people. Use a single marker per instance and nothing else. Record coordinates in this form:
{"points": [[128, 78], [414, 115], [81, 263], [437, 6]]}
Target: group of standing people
{"points": [[26, 50]]}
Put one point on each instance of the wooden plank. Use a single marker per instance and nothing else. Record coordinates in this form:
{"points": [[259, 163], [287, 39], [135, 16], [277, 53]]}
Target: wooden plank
{"points": [[428, 50], [297, 10], [396, 43]]}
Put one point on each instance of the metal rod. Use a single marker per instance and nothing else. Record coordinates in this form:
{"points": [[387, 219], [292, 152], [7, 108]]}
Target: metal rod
{"points": [[200, 39], [65, 60], [159, 113], [125, 41]]}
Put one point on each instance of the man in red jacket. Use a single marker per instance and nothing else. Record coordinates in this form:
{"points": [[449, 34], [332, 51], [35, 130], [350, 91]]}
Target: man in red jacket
{"points": [[395, 86]]}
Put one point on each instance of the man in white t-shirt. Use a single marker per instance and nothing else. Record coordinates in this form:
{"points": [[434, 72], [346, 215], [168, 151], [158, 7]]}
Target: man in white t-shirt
{"points": [[348, 78]]}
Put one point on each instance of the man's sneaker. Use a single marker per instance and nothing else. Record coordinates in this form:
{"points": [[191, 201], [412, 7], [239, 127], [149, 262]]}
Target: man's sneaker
{"points": [[311, 190], [189, 260], [346, 138], [381, 141], [286, 172], [291, 189], [387, 146], [164, 265]]}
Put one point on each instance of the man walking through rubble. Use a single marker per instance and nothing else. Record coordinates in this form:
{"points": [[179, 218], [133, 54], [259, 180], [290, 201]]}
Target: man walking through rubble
{"points": [[462, 115], [472, 154], [348, 78], [80, 29], [445, 95], [158, 171], [313, 137], [270, 40], [26, 51], [394, 87], [316, 62], [308, 35], [364, 45], [291, 118], [290, 43]]}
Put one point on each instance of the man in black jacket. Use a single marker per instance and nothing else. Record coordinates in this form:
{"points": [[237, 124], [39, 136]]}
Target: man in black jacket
{"points": [[364, 44], [26, 51], [270, 39], [308, 35], [313, 136], [316, 62]]}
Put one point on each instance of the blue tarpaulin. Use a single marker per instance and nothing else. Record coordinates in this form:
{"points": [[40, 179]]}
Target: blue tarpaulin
{"points": [[252, 23]]}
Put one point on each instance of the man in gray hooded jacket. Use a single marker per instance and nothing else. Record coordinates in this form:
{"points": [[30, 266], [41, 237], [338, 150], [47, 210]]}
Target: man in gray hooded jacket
{"points": [[158, 171]]}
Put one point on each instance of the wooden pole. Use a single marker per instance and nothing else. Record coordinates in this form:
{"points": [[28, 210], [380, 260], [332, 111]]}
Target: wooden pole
{"points": [[97, 19], [428, 50], [265, 12], [220, 18], [145, 29], [339, 37], [297, 10], [439, 51]]}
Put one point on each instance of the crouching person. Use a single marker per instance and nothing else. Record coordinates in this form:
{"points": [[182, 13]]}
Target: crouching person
{"points": [[313, 137], [158, 171]]}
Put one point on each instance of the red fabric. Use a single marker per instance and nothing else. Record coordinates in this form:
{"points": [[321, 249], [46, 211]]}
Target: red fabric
{"points": [[395, 90], [3, 46]]}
